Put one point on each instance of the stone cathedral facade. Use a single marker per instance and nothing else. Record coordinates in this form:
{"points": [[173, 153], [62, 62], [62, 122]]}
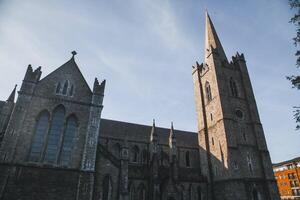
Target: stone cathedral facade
{"points": [[56, 146]]}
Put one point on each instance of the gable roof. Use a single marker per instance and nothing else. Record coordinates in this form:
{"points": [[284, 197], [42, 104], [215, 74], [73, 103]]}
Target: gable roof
{"points": [[141, 133], [70, 65]]}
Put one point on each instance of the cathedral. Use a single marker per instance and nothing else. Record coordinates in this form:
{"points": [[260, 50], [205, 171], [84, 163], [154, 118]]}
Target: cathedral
{"points": [[56, 146]]}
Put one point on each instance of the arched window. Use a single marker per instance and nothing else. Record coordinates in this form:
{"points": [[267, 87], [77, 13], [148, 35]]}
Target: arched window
{"points": [[142, 192], [41, 128], [187, 159], [255, 194], [71, 90], [249, 161], [191, 192], [58, 88], [135, 154], [199, 193], [116, 150], [131, 192], [233, 88], [107, 188], [55, 134], [68, 140], [144, 156], [65, 89], [208, 91]]}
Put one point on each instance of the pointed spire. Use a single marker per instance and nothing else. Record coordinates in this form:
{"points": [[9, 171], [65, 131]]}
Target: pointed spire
{"points": [[172, 136], [11, 97], [212, 39], [153, 135]]}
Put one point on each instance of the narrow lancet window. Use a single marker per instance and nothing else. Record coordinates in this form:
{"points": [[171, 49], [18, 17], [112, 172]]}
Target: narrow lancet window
{"points": [[65, 89], [107, 188], [71, 90], [187, 159], [208, 91], [233, 88]]}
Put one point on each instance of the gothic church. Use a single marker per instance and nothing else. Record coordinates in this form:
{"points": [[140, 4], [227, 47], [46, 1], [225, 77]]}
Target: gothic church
{"points": [[56, 146]]}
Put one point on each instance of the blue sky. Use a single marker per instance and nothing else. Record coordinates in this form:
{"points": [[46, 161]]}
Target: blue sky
{"points": [[145, 50]]}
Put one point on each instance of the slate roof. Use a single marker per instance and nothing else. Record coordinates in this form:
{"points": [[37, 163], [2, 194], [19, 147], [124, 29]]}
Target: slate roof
{"points": [[141, 133], [297, 159]]}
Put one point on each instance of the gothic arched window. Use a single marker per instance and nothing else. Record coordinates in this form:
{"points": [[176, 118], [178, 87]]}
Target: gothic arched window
{"points": [[142, 192], [199, 193], [249, 161], [65, 89], [55, 134], [187, 159], [71, 90], [68, 140], [208, 91], [135, 154], [107, 188], [255, 194], [131, 192], [41, 128], [144, 156], [233, 88], [116, 150]]}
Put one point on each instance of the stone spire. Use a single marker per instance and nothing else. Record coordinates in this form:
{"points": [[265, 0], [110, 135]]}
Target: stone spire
{"points": [[172, 137], [212, 42], [153, 135], [11, 97]]}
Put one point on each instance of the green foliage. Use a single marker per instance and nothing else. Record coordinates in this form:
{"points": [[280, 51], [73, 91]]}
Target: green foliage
{"points": [[295, 79]]}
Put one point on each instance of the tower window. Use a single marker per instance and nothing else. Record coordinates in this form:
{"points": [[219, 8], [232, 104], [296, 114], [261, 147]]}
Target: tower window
{"points": [[239, 113], [233, 88], [208, 91], [211, 116], [249, 161], [187, 159], [212, 141]]}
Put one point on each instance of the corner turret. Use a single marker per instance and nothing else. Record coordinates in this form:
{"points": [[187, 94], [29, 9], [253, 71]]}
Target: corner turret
{"points": [[30, 80], [98, 92]]}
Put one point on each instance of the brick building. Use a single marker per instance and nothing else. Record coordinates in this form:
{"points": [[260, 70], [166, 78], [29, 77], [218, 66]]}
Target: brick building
{"points": [[287, 174], [57, 146]]}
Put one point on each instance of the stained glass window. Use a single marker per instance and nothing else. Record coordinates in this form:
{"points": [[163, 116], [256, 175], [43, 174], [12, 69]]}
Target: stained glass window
{"points": [[68, 141], [39, 137], [54, 136]]}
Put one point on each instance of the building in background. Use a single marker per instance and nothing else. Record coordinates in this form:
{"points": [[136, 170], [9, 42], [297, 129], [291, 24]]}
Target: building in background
{"points": [[56, 145], [287, 174]]}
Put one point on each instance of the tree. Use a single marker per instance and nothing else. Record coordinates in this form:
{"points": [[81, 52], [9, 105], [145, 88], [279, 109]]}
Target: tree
{"points": [[295, 79]]}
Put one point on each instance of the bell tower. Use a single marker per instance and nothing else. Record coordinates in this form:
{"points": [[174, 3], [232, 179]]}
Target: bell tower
{"points": [[233, 151]]}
